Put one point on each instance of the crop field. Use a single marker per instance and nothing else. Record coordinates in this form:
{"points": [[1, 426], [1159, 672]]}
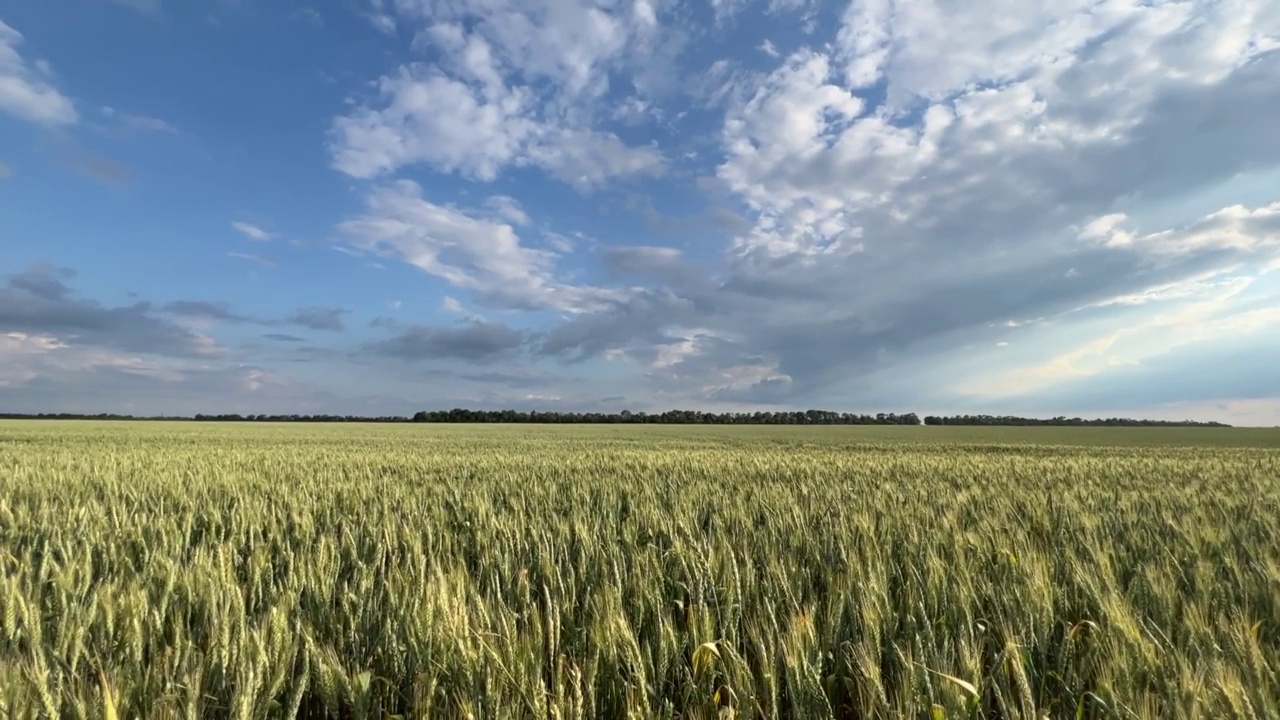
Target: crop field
{"points": [[183, 570]]}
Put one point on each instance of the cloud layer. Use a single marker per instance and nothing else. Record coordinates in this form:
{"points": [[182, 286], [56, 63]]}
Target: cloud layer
{"points": [[869, 205]]}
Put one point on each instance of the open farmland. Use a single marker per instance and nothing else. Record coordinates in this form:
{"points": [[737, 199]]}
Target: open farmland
{"points": [[255, 571]]}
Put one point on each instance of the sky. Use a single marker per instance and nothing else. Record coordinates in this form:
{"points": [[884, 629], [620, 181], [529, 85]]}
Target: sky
{"points": [[382, 206]]}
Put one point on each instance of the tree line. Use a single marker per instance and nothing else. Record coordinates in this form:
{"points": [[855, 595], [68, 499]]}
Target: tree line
{"points": [[1062, 421], [670, 417]]}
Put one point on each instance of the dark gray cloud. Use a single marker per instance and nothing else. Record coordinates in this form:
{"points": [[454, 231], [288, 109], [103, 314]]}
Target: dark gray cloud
{"points": [[314, 318], [663, 264], [638, 319], [204, 309], [474, 341], [38, 301], [319, 318], [43, 281], [716, 218]]}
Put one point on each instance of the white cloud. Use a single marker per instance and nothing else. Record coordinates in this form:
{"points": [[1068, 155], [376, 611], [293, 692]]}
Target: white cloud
{"points": [[569, 43], [380, 17], [251, 231], [25, 91], [476, 131], [585, 158], [262, 260], [1232, 228], [1199, 308], [514, 85], [484, 256], [1017, 186], [727, 383], [1028, 89], [507, 208], [30, 356], [433, 119], [1205, 319], [142, 123], [311, 16]]}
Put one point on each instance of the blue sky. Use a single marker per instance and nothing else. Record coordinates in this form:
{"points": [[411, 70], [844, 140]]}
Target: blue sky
{"points": [[380, 206]]}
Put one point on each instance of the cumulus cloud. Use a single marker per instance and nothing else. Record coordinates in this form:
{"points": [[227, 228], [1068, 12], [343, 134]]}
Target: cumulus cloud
{"points": [[452, 126], [515, 85], [26, 90]]}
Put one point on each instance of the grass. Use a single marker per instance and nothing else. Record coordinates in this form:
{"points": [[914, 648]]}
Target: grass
{"points": [[251, 571]]}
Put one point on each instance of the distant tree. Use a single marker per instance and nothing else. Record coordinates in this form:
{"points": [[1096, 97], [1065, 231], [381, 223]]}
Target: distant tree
{"points": [[669, 417]]}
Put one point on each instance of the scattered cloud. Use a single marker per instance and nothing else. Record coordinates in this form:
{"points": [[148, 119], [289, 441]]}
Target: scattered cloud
{"points": [[138, 123], [5, 171], [262, 260], [26, 91], [283, 337], [310, 16], [251, 231], [147, 7], [99, 167]]}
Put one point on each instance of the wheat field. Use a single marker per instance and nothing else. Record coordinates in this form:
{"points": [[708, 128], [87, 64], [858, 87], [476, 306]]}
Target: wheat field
{"points": [[182, 570]]}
